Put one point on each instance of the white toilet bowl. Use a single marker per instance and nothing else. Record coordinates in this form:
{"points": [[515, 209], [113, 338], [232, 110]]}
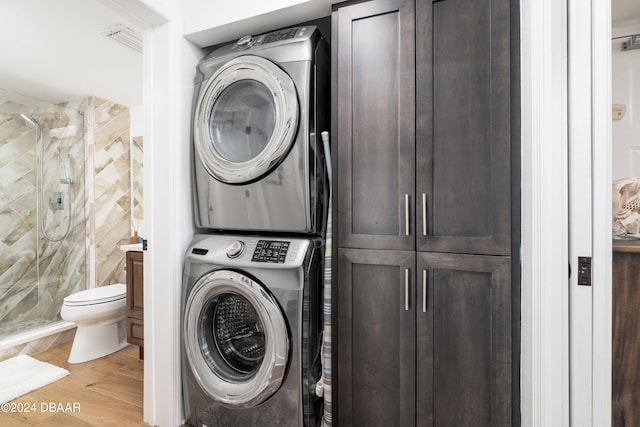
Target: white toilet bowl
{"points": [[100, 314]]}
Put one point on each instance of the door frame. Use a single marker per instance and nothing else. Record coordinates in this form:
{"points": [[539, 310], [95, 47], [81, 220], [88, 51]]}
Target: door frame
{"points": [[547, 359], [601, 179]]}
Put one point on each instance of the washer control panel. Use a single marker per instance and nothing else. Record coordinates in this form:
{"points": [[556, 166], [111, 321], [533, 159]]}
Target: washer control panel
{"points": [[249, 251], [273, 251], [235, 249]]}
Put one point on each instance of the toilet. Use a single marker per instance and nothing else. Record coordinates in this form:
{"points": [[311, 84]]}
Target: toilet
{"points": [[100, 314]]}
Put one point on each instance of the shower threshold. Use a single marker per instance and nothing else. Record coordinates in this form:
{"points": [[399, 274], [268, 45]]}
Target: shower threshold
{"points": [[35, 332]]}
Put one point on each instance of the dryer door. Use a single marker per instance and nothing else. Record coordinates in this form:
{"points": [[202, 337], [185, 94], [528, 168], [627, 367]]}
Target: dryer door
{"points": [[245, 119], [236, 338]]}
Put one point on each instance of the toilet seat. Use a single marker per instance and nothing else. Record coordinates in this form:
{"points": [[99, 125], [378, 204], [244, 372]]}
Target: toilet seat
{"points": [[99, 295]]}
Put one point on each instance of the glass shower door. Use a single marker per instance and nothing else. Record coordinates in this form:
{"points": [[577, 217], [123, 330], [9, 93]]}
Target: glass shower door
{"points": [[42, 225]]}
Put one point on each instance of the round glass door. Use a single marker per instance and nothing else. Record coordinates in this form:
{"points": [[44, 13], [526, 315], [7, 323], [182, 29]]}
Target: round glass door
{"points": [[245, 120], [236, 338]]}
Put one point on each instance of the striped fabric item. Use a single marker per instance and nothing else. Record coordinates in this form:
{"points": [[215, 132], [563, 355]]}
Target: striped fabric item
{"points": [[326, 343]]}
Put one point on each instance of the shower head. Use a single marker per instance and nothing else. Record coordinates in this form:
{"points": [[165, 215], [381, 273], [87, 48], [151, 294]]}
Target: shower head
{"points": [[30, 122], [37, 120]]}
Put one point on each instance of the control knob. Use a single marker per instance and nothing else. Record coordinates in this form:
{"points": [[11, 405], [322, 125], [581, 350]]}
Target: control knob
{"points": [[235, 249], [245, 42]]}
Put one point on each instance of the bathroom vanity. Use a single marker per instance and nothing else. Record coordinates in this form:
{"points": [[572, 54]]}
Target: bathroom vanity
{"points": [[625, 399], [135, 299]]}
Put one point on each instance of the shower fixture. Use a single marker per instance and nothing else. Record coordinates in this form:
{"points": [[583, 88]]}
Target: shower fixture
{"points": [[56, 202], [33, 121], [30, 122], [37, 122], [66, 164]]}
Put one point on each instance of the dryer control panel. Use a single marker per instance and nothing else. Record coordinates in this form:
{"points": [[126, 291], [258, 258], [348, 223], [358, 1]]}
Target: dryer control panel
{"points": [[248, 42]]}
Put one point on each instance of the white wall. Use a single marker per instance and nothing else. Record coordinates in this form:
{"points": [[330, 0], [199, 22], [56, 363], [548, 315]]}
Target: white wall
{"points": [[170, 62], [137, 121], [626, 91], [207, 22]]}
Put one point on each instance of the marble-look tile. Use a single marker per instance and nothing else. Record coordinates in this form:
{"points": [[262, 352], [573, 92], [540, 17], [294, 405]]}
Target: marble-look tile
{"points": [[111, 189], [25, 223], [22, 294], [100, 201], [137, 176], [19, 197]]}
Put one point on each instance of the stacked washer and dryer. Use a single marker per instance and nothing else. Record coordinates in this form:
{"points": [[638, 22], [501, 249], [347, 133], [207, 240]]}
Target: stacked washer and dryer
{"points": [[252, 289]]}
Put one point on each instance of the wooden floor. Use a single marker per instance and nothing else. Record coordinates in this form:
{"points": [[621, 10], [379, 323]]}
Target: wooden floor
{"points": [[102, 392]]}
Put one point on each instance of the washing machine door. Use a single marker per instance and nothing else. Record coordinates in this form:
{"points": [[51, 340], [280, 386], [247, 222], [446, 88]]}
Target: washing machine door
{"points": [[236, 338], [245, 119]]}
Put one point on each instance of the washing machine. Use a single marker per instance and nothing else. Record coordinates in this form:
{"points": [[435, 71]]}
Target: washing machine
{"points": [[251, 331], [260, 105]]}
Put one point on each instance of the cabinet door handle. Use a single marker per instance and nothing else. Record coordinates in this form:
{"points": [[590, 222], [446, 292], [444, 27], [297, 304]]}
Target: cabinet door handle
{"points": [[424, 291], [406, 289], [424, 214], [407, 229]]}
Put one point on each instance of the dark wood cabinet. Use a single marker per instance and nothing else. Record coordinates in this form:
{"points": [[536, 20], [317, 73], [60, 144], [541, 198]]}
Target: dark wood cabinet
{"points": [[135, 299], [424, 156], [374, 47], [463, 126], [424, 339], [426, 322], [463, 374], [376, 343]]}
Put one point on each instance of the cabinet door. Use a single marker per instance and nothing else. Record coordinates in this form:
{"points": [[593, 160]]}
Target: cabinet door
{"points": [[376, 338], [375, 89], [463, 340], [625, 352], [463, 126], [135, 299], [135, 285]]}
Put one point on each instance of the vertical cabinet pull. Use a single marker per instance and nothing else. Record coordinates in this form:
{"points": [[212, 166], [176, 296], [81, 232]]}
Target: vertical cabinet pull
{"points": [[424, 291], [406, 289], [424, 214], [407, 230]]}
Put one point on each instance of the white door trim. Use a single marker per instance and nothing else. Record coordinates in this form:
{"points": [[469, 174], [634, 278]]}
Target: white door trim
{"points": [[545, 221], [601, 182], [544, 328], [580, 215], [590, 211]]}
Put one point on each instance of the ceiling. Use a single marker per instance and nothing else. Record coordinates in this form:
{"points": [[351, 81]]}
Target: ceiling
{"points": [[51, 50]]}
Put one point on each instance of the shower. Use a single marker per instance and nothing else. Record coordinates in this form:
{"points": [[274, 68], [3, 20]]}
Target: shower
{"points": [[31, 124], [57, 200], [43, 232]]}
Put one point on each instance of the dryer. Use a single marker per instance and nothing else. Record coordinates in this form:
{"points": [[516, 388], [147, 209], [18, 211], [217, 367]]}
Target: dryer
{"points": [[260, 105], [251, 333]]}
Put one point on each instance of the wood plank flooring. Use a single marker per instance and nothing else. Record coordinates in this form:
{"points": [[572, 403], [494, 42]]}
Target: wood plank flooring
{"points": [[102, 392]]}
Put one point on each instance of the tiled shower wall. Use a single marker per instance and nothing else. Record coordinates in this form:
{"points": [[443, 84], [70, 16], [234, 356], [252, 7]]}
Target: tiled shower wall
{"points": [[35, 273], [101, 214], [137, 177], [109, 189]]}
